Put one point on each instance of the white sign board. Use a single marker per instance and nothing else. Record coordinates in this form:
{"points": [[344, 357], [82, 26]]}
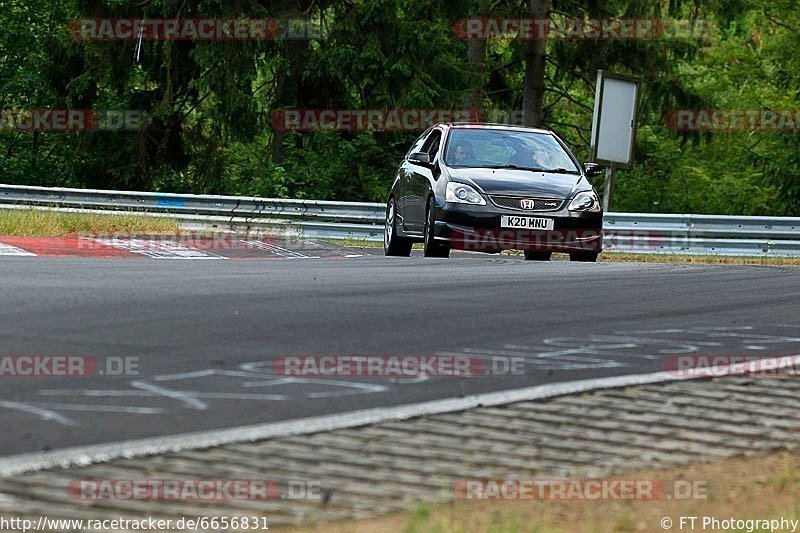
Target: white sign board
{"points": [[614, 122]]}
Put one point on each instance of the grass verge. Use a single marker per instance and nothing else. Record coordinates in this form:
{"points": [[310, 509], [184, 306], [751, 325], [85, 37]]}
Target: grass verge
{"points": [[699, 259], [620, 257], [741, 488], [37, 223]]}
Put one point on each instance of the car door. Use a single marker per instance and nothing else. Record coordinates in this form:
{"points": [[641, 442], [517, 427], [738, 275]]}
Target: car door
{"points": [[404, 177], [419, 184]]}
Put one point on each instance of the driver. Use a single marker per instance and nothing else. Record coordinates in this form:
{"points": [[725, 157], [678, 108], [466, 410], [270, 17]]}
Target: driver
{"points": [[462, 152]]}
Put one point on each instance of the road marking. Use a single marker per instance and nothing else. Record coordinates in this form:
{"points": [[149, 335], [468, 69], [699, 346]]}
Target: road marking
{"points": [[539, 362], [180, 396], [206, 389], [7, 249], [156, 249], [356, 387], [86, 455], [167, 247], [251, 376], [275, 249], [103, 408], [103, 393], [41, 412]]}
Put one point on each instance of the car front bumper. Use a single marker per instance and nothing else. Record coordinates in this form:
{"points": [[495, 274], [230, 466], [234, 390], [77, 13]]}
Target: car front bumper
{"points": [[477, 228]]}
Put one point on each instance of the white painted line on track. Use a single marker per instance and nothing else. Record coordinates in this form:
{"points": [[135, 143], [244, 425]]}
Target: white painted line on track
{"points": [[7, 249], [47, 414], [175, 395], [275, 249], [85, 455], [156, 249]]}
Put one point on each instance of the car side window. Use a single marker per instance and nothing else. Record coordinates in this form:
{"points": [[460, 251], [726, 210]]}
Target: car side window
{"points": [[431, 146], [418, 144]]}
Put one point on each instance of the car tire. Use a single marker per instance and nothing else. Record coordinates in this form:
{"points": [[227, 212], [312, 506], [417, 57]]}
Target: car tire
{"points": [[583, 257], [393, 244], [536, 255], [431, 247]]}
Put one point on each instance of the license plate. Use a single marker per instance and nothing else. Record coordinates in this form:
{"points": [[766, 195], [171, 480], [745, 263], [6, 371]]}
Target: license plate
{"points": [[526, 222]]}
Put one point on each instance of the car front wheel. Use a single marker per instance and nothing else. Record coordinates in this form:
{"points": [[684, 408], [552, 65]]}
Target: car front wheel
{"points": [[584, 257], [393, 244], [433, 248], [535, 255]]}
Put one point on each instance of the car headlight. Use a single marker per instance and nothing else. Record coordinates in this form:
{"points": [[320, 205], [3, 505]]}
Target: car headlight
{"points": [[463, 194], [585, 201]]}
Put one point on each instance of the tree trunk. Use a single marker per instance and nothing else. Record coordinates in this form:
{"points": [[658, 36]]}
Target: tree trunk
{"points": [[476, 58], [276, 143], [287, 77], [533, 84]]}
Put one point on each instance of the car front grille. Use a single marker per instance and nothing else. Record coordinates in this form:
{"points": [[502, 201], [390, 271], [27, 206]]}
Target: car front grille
{"points": [[539, 204]]}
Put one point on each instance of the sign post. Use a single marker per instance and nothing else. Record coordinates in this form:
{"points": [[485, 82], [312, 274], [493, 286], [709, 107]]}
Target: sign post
{"points": [[616, 104], [608, 187]]}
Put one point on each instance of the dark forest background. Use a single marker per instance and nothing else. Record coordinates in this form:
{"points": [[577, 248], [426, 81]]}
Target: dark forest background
{"points": [[210, 102]]}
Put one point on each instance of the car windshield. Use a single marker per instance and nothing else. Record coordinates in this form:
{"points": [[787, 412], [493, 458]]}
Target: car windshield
{"points": [[488, 148]]}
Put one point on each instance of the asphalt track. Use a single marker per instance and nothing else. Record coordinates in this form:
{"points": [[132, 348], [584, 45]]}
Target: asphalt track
{"points": [[205, 332]]}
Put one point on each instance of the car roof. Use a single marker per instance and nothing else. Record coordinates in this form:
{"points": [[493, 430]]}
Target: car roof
{"points": [[492, 126]]}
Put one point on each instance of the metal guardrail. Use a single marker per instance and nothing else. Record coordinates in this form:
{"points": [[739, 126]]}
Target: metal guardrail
{"points": [[308, 218], [624, 232], [702, 234]]}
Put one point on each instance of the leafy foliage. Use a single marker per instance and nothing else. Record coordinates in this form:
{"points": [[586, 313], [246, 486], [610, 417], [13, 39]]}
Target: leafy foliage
{"points": [[210, 103]]}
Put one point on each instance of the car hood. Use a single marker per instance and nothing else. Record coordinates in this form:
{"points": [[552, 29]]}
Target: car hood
{"points": [[514, 182]]}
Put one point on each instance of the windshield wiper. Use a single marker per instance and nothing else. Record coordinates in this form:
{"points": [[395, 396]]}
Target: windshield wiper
{"points": [[516, 167], [559, 170]]}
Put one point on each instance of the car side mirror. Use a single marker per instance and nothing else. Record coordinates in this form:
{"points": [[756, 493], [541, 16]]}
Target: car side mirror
{"points": [[420, 157], [592, 169]]}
